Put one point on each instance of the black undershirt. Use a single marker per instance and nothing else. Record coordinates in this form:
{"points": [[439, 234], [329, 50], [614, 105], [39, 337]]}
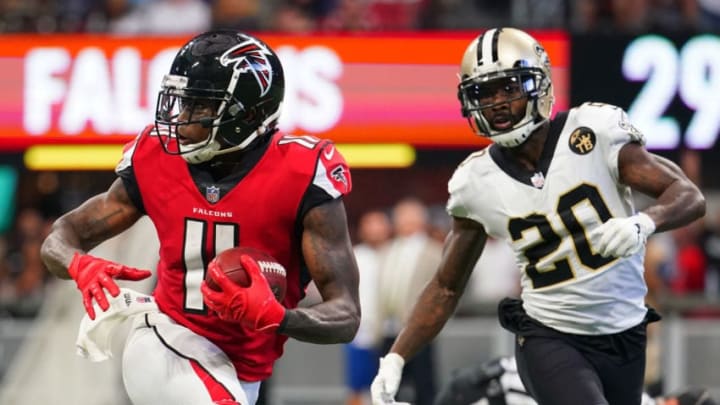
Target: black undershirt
{"points": [[513, 169]]}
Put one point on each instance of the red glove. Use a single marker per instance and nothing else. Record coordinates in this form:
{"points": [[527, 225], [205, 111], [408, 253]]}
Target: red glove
{"points": [[92, 274], [254, 305]]}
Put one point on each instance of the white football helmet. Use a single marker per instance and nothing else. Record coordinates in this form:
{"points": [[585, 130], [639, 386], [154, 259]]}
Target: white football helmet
{"points": [[506, 53]]}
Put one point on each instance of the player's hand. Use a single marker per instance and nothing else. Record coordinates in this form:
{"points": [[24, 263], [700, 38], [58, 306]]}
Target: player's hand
{"points": [[623, 237], [254, 305], [93, 274], [387, 381]]}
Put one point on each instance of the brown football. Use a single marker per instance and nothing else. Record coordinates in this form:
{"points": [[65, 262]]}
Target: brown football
{"points": [[229, 262]]}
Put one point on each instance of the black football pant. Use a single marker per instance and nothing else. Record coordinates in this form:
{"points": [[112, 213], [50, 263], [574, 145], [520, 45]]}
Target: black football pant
{"points": [[566, 369], [558, 373]]}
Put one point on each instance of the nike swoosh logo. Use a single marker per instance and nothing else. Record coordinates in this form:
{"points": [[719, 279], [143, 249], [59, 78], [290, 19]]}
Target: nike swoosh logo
{"points": [[329, 153]]}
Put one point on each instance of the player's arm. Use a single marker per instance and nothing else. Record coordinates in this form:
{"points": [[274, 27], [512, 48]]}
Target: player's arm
{"points": [[327, 250], [99, 218], [434, 306], [438, 301], [677, 200]]}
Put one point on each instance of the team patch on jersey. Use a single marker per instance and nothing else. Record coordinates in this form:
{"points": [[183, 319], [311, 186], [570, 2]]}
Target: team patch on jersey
{"points": [[582, 140], [212, 194], [338, 174]]}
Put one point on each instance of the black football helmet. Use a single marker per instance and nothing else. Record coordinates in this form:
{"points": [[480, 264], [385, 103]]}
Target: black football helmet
{"points": [[234, 74]]}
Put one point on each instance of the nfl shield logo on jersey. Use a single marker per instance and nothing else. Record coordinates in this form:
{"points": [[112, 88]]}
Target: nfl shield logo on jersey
{"points": [[212, 194], [538, 180]]}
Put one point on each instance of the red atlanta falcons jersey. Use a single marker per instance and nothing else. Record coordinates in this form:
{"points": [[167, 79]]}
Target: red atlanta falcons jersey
{"points": [[195, 220]]}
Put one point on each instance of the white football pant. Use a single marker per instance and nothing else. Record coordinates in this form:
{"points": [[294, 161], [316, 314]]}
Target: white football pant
{"points": [[166, 363]]}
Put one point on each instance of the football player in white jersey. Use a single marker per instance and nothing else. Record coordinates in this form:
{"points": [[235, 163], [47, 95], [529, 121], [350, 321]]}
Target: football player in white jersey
{"points": [[559, 191]]}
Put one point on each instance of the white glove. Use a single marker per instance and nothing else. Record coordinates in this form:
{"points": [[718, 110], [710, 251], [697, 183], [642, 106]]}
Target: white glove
{"points": [[623, 237], [387, 381]]}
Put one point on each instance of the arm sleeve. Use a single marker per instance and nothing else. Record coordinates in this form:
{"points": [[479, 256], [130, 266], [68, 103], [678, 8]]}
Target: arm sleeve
{"points": [[127, 176], [332, 179], [455, 206], [457, 187], [126, 172], [617, 132]]}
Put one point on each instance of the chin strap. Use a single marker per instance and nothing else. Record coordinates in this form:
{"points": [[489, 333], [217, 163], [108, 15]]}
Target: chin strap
{"points": [[517, 136], [519, 133], [202, 153], [212, 149]]}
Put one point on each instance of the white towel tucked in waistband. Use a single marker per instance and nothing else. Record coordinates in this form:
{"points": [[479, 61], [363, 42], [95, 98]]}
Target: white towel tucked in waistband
{"points": [[94, 336]]}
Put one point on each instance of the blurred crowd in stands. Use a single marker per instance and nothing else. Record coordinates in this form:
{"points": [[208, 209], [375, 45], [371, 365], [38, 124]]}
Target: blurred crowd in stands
{"points": [[40, 199], [300, 16]]}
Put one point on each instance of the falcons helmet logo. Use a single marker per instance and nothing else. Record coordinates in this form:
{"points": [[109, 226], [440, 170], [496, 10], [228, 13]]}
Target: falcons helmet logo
{"points": [[251, 56]]}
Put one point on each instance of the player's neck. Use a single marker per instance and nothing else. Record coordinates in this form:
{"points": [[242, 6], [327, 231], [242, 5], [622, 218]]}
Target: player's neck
{"points": [[529, 152], [226, 165]]}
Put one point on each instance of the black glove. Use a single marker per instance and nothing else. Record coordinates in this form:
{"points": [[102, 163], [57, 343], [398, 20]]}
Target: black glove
{"points": [[694, 396], [468, 385]]}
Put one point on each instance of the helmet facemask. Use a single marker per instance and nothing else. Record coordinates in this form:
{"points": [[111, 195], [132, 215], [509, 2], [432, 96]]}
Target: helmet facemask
{"points": [[226, 82], [478, 93], [179, 106]]}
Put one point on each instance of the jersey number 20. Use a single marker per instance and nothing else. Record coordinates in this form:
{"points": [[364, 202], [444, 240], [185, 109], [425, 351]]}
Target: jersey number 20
{"points": [[561, 270]]}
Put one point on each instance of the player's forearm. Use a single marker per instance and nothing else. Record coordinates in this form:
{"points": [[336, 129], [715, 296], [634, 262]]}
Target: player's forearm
{"points": [[432, 310], [680, 204], [329, 322], [58, 248]]}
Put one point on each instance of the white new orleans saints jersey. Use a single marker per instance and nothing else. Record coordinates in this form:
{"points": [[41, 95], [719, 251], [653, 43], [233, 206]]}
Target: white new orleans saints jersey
{"points": [[547, 217]]}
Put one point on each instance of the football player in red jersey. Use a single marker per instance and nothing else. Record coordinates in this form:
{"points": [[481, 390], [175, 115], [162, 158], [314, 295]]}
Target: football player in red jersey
{"points": [[213, 172]]}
